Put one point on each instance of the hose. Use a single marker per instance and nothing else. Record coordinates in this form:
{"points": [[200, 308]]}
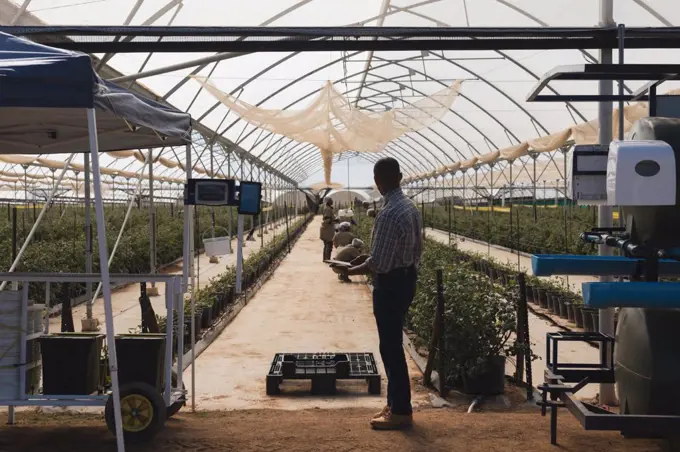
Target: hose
{"points": [[474, 403]]}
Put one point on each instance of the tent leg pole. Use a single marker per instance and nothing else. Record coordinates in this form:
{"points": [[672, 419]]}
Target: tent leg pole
{"points": [[88, 234], [104, 269]]}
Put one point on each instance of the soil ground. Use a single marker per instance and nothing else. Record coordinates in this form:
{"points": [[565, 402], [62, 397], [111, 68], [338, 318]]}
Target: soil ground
{"points": [[341, 430], [302, 308]]}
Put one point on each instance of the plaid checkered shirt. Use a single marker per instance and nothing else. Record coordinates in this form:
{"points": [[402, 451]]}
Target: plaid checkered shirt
{"points": [[397, 234]]}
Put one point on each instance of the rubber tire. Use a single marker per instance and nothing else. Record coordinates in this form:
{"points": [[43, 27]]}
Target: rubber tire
{"points": [[159, 410], [175, 407]]}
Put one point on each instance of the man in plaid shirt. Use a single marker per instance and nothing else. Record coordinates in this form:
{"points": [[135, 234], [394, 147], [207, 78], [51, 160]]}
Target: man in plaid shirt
{"points": [[395, 254]]}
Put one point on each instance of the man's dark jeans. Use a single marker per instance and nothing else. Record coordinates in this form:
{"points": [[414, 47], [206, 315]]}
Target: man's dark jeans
{"points": [[392, 295]]}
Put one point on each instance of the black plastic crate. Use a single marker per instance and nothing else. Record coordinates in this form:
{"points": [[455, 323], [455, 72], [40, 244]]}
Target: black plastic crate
{"points": [[323, 369]]}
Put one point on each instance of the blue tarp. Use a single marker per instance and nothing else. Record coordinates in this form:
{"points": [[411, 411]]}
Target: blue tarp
{"points": [[43, 96], [34, 75]]}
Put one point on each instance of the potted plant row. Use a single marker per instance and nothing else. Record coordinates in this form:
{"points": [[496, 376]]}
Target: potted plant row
{"points": [[213, 300]]}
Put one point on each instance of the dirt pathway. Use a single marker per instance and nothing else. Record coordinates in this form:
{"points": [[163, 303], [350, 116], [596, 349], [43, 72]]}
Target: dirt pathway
{"points": [[302, 308]]}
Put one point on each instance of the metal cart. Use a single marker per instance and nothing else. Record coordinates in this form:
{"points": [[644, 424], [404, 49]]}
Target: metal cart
{"points": [[144, 409]]}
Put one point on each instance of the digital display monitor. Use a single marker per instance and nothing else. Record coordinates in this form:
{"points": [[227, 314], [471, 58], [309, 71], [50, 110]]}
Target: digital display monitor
{"points": [[210, 192], [249, 198]]}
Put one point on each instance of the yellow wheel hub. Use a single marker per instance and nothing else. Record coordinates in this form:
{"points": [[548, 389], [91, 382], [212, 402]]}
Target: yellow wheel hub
{"points": [[136, 411]]}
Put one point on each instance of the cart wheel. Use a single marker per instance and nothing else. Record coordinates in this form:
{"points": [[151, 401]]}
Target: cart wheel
{"points": [[374, 386], [143, 412], [175, 407]]}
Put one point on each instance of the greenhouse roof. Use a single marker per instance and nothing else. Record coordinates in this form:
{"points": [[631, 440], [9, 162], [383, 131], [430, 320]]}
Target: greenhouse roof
{"points": [[488, 122]]}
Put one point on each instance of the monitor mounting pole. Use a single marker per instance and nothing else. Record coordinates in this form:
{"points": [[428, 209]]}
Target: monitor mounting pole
{"points": [[606, 317]]}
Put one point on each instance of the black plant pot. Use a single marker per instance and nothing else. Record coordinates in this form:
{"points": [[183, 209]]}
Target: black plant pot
{"points": [[578, 315], [206, 317], [587, 319], [570, 310], [548, 300], [555, 306], [563, 307], [595, 316], [197, 321], [486, 379], [542, 298], [530, 293]]}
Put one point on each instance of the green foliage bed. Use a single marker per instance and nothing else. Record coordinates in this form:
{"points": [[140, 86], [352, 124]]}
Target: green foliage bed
{"points": [[553, 230], [59, 243]]}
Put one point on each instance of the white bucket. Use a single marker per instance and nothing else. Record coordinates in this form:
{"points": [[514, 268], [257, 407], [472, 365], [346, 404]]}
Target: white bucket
{"points": [[218, 246]]}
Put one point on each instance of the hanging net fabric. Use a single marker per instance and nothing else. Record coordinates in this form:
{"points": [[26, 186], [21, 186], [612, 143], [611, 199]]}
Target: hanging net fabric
{"points": [[318, 186], [331, 123]]}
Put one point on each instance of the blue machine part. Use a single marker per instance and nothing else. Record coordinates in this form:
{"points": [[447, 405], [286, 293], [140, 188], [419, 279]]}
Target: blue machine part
{"points": [[565, 264], [651, 295]]}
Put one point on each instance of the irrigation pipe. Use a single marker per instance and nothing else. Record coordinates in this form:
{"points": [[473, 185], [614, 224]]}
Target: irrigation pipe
{"points": [[122, 229], [38, 220], [474, 403]]}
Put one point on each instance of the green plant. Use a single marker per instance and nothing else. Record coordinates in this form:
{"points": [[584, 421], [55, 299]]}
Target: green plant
{"points": [[480, 316]]}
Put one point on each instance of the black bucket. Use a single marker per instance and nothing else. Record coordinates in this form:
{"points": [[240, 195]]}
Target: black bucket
{"points": [[141, 358], [70, 363]]}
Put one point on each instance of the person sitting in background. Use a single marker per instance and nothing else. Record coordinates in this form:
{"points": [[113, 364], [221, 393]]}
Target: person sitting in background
{"points": [[349, 253], [343, 237]]}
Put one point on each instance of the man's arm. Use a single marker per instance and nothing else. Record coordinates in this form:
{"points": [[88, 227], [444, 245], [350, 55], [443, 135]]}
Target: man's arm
{"points": [[381, 246]]}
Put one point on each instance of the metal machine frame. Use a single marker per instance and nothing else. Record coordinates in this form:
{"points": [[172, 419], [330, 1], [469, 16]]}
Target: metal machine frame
{"points": [[564, 380]]}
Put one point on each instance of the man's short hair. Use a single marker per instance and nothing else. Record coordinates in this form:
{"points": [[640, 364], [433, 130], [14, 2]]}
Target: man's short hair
{"points": [[387, 165]]}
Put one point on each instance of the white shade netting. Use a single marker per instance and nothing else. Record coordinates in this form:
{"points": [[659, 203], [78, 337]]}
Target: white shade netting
{"points": [[334, 125]]}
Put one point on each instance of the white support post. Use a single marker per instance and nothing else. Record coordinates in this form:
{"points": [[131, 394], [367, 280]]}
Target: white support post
{"points": [[88, 233], [103, 261], [188, 274], [152, 227], [606, 317], [239, 255]]}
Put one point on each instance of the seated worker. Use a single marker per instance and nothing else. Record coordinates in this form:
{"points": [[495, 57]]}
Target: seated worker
{"points": [[350, 253], [343, 237]]}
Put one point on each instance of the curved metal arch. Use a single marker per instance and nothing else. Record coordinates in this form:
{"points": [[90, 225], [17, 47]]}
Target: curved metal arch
{"points": [[482, 109], [653, 12], [201, 66], [587, 55]]}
